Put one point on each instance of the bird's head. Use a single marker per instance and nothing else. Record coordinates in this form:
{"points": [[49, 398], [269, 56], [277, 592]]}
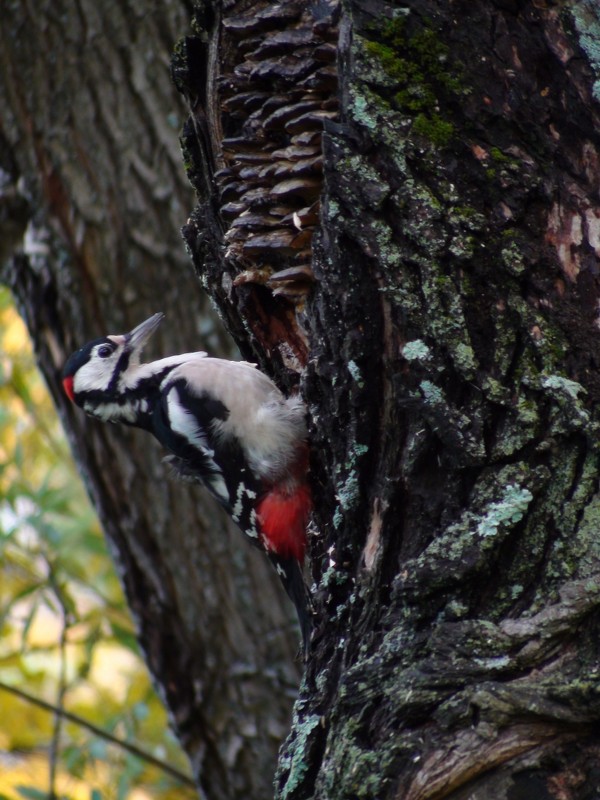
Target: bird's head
{"points": [[96, 369]]}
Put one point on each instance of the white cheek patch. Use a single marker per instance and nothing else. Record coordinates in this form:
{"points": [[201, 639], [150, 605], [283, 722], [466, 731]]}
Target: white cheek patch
{"points": [[94, 376]]}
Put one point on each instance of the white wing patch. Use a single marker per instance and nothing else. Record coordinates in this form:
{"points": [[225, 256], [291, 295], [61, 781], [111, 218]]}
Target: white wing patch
{"points": [[186, 425]]}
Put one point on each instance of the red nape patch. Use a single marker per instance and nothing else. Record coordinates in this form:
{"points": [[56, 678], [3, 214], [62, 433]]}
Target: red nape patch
{"points": [[68, 387], [283, 519]]}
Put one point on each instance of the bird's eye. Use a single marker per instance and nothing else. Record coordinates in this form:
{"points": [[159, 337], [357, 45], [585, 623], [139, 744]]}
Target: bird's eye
{"points": [[105, 351]]}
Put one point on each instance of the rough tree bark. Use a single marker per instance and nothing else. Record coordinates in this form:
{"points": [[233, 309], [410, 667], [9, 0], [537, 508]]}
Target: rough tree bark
{"points": [[439, 312], [91, 164], [450, 367]]}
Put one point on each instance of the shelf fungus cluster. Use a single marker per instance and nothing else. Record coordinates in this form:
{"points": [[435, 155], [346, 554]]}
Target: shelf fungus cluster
{"points": [[278, 91]]}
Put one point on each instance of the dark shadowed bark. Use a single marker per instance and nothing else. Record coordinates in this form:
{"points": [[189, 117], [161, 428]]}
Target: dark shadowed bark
{"points": [[399, 214]]}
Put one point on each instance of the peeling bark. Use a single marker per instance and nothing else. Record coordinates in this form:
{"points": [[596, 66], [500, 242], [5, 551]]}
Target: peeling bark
{"points": [[260, 81]]}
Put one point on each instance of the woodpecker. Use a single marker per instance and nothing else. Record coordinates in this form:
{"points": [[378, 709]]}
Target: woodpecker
{"points": [[224, 424]]}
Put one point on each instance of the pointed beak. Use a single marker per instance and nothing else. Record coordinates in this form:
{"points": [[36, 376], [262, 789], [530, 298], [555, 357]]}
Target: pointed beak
{"points": [[137, 338]]}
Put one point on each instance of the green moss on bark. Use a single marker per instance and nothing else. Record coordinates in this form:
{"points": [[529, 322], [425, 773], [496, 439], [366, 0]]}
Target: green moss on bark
{"points": [[415, 69]]}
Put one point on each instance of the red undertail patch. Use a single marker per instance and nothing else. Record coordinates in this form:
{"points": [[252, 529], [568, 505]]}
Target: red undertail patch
{"points": [[283, 518]]}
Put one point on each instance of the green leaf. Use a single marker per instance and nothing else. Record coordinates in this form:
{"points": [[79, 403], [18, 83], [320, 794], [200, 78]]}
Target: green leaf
{"points": [[125, 638], [141, 711], [98, 749], [18, 457], [31, 793], [75, 759], [26, 591], [28, 621]]}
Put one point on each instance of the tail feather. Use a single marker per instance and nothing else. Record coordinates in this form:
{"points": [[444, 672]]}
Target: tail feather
{"points": [[290, 572]]}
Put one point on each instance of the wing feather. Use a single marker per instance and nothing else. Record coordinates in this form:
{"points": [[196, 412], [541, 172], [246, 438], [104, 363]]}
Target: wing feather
{"points": [[182, 432]]}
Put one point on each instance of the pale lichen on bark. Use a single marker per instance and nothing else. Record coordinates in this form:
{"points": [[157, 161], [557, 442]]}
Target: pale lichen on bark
{"points": [[491, 477], [586, 16]]}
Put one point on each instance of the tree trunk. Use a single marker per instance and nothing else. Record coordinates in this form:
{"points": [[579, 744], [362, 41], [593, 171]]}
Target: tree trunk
{"points": [[439, 312], [89, 134], [460, 607], [450, 371]]}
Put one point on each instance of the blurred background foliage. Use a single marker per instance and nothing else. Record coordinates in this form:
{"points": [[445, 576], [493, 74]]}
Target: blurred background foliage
{"points": [[65, 635]]}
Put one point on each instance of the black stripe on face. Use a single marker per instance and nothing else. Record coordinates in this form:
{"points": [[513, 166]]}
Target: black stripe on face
{"points": [[120, 368]]}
